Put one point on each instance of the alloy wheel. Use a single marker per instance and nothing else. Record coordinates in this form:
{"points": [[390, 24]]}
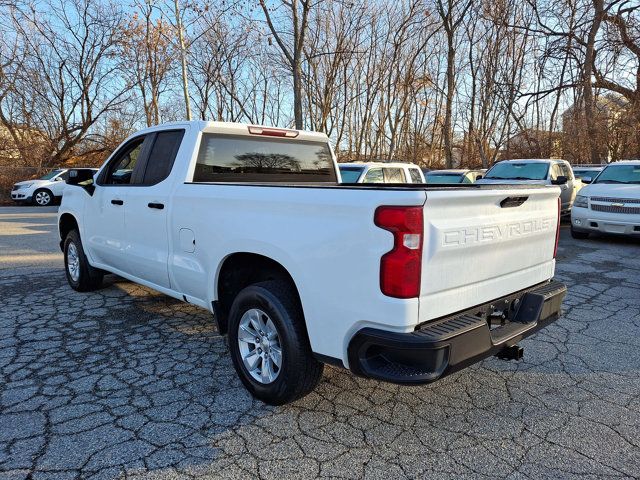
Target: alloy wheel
{"points": [[73, 262], [43, 198], [259, 344]]}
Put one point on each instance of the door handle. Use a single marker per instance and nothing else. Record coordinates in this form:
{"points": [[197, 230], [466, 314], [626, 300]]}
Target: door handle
{"points": [[159, 206], [117, 202]]}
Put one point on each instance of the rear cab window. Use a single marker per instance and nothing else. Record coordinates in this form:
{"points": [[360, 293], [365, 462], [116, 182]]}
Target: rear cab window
{"points": [[374, 175], [239, 159], [393, 175]]}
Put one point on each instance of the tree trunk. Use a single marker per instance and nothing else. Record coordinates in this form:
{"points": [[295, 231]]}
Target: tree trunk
{"points": [[446, 128], [297, 90], [183, 60], [589, 107]]}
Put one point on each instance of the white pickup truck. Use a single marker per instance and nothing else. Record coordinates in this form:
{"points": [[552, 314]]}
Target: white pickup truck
{"points": [[400, 282]]}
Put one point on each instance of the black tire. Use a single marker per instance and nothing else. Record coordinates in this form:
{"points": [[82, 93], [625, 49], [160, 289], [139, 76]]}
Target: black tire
{"points": [[299, 372], [578, 235], [87, 277], [45, 195]]}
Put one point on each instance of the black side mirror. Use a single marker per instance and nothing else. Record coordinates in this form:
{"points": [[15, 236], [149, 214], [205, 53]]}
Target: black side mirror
{"points": [[82, 178], [478, 177], [586, 179], [561, 180]]}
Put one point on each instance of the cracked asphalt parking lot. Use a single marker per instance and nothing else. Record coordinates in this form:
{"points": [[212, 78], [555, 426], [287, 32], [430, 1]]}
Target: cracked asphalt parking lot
{"points": [[125, 382]]}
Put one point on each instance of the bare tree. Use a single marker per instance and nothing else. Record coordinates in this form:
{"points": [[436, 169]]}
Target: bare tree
{"points": [[428, 81], [68, 69], [452, 13], [292, 49], [183, 59], [148, 55]]}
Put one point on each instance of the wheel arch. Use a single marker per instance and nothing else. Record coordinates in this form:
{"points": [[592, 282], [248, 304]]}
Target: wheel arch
{"points": [[66, 223], [239, 270]]}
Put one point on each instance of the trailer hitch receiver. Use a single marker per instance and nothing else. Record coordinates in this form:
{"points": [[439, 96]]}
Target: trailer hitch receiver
{"points": [[512, 352]]}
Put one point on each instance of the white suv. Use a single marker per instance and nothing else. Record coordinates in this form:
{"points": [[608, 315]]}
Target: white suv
{"points": [[379, 172], [611, 203], [45, 190]]}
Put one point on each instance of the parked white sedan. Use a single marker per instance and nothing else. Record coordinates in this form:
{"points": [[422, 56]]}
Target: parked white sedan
{"points": [[611, 203], [45, 190]]}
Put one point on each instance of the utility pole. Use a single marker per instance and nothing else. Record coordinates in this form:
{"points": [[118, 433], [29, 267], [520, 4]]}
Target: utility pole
{"points": [[183, 58]]}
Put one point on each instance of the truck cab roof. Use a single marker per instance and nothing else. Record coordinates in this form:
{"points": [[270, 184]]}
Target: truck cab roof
{"points": [[235, 128]]}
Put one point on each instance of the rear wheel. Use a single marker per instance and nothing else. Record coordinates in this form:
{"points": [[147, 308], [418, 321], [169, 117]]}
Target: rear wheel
{"points": [[42, 197], [80, 275], [579, 235], [269, 345]]}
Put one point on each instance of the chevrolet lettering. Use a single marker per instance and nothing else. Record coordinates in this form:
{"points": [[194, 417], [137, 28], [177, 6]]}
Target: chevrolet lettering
{"points": [[492, 233]]}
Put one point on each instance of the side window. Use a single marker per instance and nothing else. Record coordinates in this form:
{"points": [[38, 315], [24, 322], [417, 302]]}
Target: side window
{"points": [[120, 169], [467, 178], [64, 177], [162, 155], [374, 176], [555, 171], [394, 175], [415, 175], [566, 171]]}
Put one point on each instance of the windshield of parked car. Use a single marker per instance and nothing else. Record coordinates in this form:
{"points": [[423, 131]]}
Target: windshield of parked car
{"points": [[50, 175], [518, 171], [620, 174], [350, 174], [586, 172], [443, 177]]}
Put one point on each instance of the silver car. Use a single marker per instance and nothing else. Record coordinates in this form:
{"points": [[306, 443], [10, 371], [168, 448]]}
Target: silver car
{"points": [[537, 171]]}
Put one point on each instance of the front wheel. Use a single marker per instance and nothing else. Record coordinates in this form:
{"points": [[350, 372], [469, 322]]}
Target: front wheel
{"points": [[578, 235], [42, 198], [80, 275], [269, 345]]}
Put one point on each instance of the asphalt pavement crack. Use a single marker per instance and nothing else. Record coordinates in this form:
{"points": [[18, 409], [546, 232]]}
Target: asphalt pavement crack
{"points": [[127, 383]]}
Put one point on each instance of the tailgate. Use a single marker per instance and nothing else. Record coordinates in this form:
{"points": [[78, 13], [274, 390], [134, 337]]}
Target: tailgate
{"points": [[482, 244]]}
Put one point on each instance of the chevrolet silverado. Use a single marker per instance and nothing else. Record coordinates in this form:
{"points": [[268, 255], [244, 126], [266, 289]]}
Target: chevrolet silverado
{"points": [[403, 283]]}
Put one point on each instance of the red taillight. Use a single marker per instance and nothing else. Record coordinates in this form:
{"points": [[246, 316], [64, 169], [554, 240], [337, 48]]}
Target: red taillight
{"points": [[273, 132], [401, 267], [555, 249]]}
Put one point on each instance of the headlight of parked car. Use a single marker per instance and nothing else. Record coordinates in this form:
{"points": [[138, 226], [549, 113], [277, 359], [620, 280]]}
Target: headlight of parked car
{"points": [[581, 201]]}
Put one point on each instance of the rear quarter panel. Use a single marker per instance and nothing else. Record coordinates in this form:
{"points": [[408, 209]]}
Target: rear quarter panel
{"points": [[324, 237]]}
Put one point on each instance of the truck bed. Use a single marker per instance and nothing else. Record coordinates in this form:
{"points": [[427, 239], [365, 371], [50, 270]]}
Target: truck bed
{"points": [[324, 234]]}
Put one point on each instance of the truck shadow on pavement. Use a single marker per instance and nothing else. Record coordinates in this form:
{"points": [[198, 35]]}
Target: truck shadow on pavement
{"points": [[126, 381]]}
